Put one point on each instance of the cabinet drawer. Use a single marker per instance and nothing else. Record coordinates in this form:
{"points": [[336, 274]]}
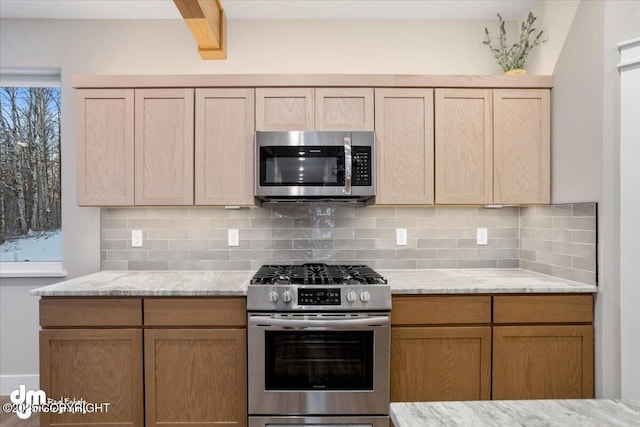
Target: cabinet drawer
{"points": [[219, 311], [439, 310], [55, 312], [543, 309]]}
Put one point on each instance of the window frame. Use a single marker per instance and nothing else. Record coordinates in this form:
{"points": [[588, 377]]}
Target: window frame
{"points": [[33, 77]]}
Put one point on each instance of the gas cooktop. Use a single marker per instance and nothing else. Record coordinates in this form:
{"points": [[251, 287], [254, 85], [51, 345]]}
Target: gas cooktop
{"points": [[317, 274]]}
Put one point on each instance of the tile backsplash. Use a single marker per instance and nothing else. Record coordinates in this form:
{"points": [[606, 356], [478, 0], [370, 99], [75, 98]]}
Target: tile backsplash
{"points": [[558, 240]]}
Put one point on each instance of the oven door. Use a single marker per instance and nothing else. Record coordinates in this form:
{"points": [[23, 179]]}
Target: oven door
{"points": [[334, 364]]}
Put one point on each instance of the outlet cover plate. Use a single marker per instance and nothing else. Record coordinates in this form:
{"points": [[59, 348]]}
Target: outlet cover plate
{"points": [[233, 237], [401, 236], [136, 238], [481, 236]]}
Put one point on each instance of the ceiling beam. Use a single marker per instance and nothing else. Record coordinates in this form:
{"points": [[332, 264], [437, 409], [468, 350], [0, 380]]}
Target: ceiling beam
{"points": [[208, 24]]}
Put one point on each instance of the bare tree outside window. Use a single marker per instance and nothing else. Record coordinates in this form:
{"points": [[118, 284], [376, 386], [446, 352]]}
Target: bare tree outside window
{"points": [[30, 204]]}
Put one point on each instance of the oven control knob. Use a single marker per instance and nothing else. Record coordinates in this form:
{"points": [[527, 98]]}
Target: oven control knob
{"points": [[351, 296], [286, 296], [273, 296], [365, 296]]}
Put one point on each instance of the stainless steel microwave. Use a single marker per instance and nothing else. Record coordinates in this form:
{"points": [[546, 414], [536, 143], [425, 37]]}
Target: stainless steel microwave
{"points": [[319, 165]]}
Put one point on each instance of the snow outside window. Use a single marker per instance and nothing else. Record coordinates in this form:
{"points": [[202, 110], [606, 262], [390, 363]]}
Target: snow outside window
{"points": [[30, 185]]}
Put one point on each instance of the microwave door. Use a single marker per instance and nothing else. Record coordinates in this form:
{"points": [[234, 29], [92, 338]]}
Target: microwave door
{"points": [[283, 166]]}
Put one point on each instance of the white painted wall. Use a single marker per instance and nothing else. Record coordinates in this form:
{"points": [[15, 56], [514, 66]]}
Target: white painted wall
{"points": [[630, 218], [585, 154]]}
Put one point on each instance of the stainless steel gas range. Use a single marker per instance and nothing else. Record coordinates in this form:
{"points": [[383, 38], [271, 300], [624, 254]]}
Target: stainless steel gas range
{"points": [[318, 346]]}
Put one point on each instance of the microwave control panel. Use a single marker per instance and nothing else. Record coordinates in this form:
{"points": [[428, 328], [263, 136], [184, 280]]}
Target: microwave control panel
{"points": [[361, 166]]}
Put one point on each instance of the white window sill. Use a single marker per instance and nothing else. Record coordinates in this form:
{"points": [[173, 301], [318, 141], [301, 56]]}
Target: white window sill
{"points": [[32, 269]]}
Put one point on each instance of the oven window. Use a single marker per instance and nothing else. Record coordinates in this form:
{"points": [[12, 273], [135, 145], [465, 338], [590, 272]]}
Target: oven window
{"points": [[314, 360], [318, 166]]}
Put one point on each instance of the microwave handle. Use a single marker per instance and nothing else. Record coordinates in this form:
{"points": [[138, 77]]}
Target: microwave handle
{"points": [[347, 165]]}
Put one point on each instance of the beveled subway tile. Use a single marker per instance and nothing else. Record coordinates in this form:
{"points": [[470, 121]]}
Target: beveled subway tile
{"points": [[416, 212], [292, 255], [272, 223], [333, 233], [457, 253], [148, 265], [508, 222], [535, 222], [333, 254], [504, 233], [209, 255], [251, 212], [476, 263], [171, 234], [152, 245], [107, 224], [248, 255], [416, 254], [364, 222], [473, 243], [575, 249], [272, 244], [536, 266], [583, 276], [227, 223], [561, 210], [553, 259], [375, 254], [224, 244], [528, 255], [187, 223], [113, 244], [395, 222], [436, 263], [455, 212], [488, 222], [457, 233], [148, 223], [114, 265], [536, 245], [436, 222], [509, 211], [375, 233], [422, 233], [301, 211], [208, 212], [176, 245], [437, 243], [291, 233], [497, 253], [115, 234], [393, 263], [255, 233], [580, 236], [508, 243], [168, 255], [391, 244], [353, 243], [575, 223], [313, 244], [377, 212], [580, 263], [508, 263], [208, 233], [138, 255], [584, 209]]}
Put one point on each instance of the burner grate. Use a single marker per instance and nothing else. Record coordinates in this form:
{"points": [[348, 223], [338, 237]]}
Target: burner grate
{"points": [[317, 274]]}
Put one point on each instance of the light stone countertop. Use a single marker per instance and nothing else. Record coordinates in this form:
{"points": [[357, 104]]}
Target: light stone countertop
{"points": [[479, 281], [530, 413], [230, 283]]}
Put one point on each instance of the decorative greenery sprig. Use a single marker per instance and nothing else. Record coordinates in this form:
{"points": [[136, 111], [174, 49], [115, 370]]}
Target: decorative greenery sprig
{"points": [[514, 56]]}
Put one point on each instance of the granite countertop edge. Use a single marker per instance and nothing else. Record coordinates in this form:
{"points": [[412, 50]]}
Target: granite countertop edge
{"points": [[235, 283]]}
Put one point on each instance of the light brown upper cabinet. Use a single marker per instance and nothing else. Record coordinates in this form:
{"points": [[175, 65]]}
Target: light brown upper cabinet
{"points": [[348, 109], [464, 146], [164, 146], [105, 147], [492, 146], [521, 146], [404, 146], [224, 147]]}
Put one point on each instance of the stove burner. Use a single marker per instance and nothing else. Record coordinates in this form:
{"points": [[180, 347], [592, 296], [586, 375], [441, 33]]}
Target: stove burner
{"points": [[317, 274]]}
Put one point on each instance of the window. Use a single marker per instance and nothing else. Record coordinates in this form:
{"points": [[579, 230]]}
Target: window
{"points": [[30, 185]]}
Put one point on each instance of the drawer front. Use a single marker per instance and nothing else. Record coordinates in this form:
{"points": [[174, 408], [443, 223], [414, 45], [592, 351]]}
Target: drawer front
{"points": [[82, 312], [440, 310], [219, 311], [543, 309]]}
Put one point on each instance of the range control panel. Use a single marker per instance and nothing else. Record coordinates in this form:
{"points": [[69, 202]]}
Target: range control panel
{"points": [[318, 296]]}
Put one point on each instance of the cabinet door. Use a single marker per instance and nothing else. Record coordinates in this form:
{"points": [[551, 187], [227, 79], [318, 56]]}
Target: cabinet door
{"points": [[440, 363], [348, 109], [196, 377], [164, 146], [105, 147], [543, 362], [284, 109], [464, 146], [404, 146], [97, 365], [224, 173], [521, 146]]}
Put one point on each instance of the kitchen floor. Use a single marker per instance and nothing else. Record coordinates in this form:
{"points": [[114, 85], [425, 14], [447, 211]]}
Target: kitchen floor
{"points": [[11, 420]]}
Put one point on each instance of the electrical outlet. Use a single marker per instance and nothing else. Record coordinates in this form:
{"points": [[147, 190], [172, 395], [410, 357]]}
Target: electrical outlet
{"points": [[401, 236], [481, 236], [233, 237], [136, 238]]}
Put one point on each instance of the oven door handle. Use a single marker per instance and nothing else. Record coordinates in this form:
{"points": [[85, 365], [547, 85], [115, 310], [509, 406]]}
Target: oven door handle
{"points": [[321, 323]]}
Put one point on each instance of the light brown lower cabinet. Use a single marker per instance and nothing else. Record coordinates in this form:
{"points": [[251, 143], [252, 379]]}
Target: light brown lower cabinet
{"points": [[499, 347], [178, 361], [440, 363], [97, 365]]}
